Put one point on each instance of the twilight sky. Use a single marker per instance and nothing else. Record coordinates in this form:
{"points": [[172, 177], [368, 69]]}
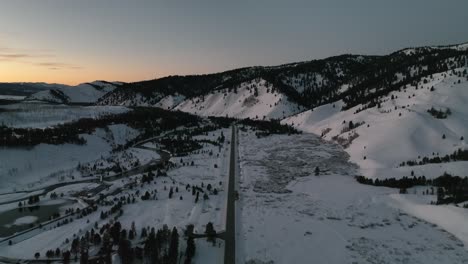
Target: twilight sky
{"points": [[70, 41]]}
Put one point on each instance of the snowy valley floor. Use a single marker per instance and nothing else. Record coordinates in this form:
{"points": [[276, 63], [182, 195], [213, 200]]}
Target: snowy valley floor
{"points": [[285, 213], [200, 168], [288, 215]]}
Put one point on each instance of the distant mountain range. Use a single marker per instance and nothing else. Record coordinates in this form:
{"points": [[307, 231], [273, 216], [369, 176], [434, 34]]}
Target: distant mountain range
{"points": [[355, 79], [60, 93]]}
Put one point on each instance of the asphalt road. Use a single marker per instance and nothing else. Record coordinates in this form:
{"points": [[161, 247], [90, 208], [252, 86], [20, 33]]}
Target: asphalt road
{"points": [[230, 242]]}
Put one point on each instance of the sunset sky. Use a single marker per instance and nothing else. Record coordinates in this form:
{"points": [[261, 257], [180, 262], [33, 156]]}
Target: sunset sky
{"points": [[66, 41]]}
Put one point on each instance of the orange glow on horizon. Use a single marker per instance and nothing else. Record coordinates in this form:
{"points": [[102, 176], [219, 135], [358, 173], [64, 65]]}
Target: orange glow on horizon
{"points": [[21, 72], [15, 71]]}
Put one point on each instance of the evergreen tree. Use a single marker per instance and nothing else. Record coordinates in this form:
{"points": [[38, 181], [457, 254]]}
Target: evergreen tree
{"points": [[66, 257], [210, 231], [84, 251], [143, 232], [174, 247], [125, 251], [190, 251], [75, 246], [171, 192]]}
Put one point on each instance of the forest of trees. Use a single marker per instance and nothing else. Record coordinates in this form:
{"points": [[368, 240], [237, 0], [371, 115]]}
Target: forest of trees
{"points": [[450, 189], [147, 246], [458, 155], [151, 121]]}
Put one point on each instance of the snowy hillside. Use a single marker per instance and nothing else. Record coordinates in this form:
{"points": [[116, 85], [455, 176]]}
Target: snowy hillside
{"points": [[170, 101], [82, 93], [130, 98], [256, 99], [412, 51], [23, 89], [400, 127]]}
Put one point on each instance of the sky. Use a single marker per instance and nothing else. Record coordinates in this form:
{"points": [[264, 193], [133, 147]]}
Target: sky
{"points": [[70, 41]]}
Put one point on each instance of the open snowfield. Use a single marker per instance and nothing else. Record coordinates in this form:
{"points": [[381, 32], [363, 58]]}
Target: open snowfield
{"points": [[289, 215], [46, 164], [401, 129], [39, 115]]}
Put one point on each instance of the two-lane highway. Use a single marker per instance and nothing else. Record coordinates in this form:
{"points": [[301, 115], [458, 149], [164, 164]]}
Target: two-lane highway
{"points": [[230, 242]]}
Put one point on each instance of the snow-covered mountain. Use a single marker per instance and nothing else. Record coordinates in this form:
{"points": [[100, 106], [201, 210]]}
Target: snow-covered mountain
{"points": [[354, 79], [82, 93], [255, 99], [428, 118], [23, 89]]}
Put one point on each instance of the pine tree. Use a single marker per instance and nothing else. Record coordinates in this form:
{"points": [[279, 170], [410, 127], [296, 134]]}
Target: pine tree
{"points": [[440, 195], [84, 251], [133, 228], [190, 251], [66, 257], [174, 247], [143, 232], [75, 246], [210, 231], [125, 251]]}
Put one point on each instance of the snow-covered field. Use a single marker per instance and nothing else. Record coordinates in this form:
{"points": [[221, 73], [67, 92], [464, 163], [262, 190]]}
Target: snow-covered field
{"points": [[331, 218], [401, 129], [210, 166], [40, 115], [11, 97], [45, 164]]}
